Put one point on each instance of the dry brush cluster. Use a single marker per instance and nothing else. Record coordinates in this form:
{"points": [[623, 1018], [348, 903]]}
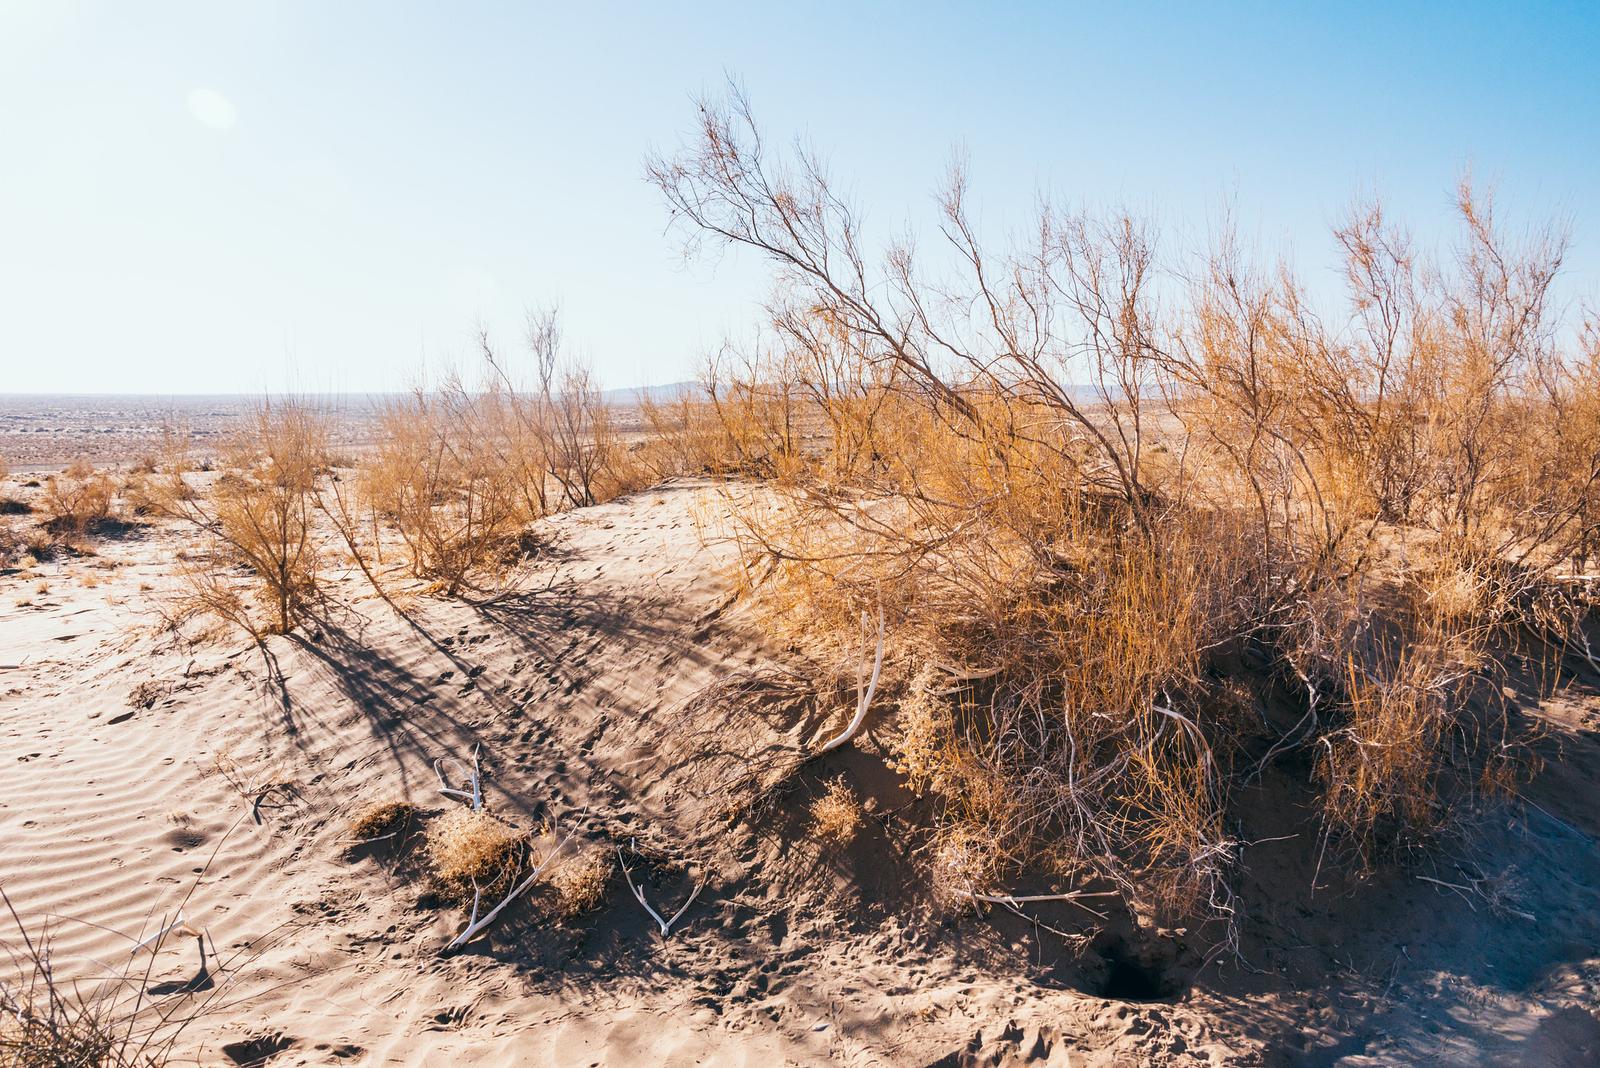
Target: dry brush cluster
{"points": [[1140, 526], [449, 491]]}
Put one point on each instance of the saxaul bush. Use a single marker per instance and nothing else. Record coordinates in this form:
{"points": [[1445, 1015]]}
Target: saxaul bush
{"points": [[78, 499], [439, 476], [1085, 484], [461, 471], [257, 516]]}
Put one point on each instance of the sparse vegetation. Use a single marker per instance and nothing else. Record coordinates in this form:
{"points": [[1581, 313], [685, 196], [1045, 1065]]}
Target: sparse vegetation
{"points": [[110, 1021], [78, 499]]}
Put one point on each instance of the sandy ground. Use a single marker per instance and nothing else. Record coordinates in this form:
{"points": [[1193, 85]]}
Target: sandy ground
{"points": [[143, 766]]}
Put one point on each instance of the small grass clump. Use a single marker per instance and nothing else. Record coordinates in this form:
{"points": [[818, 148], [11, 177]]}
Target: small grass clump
{"points": [[580, 882], [836, 813], [383, 820], [472, 851]]}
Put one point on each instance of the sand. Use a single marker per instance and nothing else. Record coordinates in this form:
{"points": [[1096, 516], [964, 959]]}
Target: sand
{"points": [[145, 765]]}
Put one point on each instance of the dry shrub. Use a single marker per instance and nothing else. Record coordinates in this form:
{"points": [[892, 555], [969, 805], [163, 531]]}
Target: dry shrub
{"points": [[560, 430], [579, 882], [383, 819], [462, 471], [110, 1020], [836, 812], [1082, 492], [964, 862], [686, 436], [35, 545], [78, 499], [41, 546], [46, 1024], [441, 476], [259, 516], [471, 851]]}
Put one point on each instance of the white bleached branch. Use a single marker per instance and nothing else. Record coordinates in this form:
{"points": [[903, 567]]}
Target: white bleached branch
{"points": [[473, 796], [1013, 901], [179, 925], [863, 693], [638, 893]]}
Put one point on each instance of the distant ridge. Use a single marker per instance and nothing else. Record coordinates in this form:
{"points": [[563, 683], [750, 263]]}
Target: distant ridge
{"points": [[670, 391]]}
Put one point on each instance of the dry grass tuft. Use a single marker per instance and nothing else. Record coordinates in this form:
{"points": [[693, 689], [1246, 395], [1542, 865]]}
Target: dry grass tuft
{"points": [[580, 882], [109, 1020], [836, 813], [384, 819], [473, 851], [55, 1028]]}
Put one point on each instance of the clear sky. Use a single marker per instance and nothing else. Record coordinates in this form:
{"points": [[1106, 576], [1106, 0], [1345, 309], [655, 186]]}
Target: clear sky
{"points": [[230, 196]]}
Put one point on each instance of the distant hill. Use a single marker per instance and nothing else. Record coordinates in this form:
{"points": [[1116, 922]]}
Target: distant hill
{"points": [[670, 391]]}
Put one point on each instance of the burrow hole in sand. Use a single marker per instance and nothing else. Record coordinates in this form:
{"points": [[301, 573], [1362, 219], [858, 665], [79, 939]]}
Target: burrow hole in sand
{"points": [[1151, 974]]}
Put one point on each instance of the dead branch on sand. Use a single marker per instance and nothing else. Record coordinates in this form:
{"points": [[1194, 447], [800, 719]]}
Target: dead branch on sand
{"points": [[474, 795], [179, 925], [638, 893], [864, 688], [474, 924]]}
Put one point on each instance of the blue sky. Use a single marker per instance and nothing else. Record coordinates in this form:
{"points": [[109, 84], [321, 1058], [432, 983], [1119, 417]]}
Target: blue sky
{"points": [[234, 196]]}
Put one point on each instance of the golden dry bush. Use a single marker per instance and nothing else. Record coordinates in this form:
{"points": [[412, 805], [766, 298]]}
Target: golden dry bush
{"points": [[78, 498], [836, 812], [1084, 482], [461, 471], [440, 476], [260, 568], [558, 429], [686, 437], [579, 882], [418, 480]]}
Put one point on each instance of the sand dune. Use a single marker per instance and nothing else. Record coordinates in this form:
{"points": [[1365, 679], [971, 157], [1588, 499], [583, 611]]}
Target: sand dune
{"points": [[144, 769]]}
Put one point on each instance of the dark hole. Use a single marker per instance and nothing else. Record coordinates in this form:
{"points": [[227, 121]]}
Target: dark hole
{"points": [[1128, 979]]}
